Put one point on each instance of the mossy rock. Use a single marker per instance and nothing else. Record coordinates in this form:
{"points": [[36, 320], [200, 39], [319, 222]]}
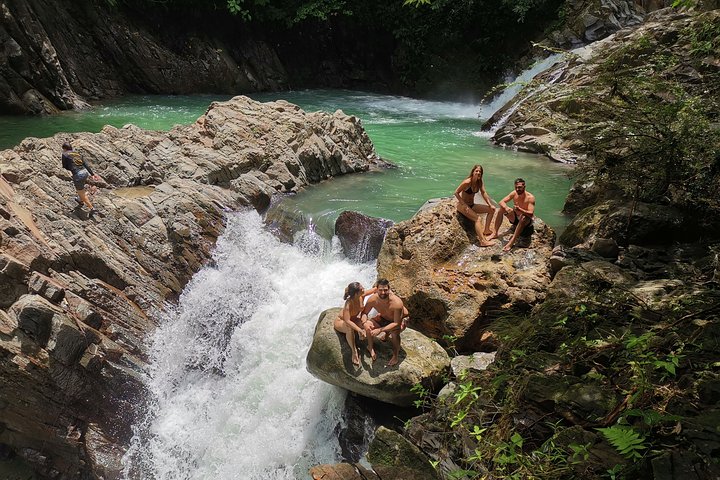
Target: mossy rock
{"points": [[393, 457]]}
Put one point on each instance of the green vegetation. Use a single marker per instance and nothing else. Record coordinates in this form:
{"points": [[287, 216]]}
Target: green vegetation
{"points": [[461, 46], [649, 122], [595, 383]]}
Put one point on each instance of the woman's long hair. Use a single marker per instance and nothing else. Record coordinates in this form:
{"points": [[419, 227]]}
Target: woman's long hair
{"points": [[352, 289], [481, 178]]}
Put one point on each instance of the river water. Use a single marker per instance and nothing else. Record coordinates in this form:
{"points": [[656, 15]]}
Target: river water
{"points": [[231, 398]]}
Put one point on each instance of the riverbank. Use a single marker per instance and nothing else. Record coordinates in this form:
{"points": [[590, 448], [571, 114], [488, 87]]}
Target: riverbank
{"points": [[78, 292]]}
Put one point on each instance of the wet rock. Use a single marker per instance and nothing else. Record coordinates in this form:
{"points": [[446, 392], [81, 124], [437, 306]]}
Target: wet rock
{"points": [[452, 287], [421, 361], [361, 236]]}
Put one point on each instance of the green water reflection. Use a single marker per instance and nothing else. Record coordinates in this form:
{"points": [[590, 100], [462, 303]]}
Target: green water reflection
{"points": [[434, 145]]}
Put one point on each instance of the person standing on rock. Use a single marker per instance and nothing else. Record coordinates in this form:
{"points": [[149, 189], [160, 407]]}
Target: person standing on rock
{"points": [[390, 321], [348, 322], [81, 171], [466, 205], [522, 213]]}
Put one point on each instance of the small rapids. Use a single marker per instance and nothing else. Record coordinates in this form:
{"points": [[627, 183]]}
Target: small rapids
{"points": [[231, 397]]}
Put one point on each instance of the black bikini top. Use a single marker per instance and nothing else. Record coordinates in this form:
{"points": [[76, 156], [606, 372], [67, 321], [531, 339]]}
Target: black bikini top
{"points": [[470, 191]]}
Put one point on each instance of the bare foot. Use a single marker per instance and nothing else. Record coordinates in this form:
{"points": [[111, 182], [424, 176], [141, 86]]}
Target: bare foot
{"points": [[488, 243], [393, 361], [491, 235], [356, 358], [507, 248], [373, 355]]}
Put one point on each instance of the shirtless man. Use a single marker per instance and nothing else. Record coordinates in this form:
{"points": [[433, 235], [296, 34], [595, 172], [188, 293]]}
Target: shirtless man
{"points": [[521, 214], [389, 321]]}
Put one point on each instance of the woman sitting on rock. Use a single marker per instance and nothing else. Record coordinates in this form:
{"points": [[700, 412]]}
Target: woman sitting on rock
{"points": [[465, 194], [349, 320]]}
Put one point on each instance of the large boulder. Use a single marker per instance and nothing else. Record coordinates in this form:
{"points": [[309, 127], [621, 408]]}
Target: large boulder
{"points": [[450, 285], [421, 361], [76, 294], [635, 223], [361, 236], [49, 65]]}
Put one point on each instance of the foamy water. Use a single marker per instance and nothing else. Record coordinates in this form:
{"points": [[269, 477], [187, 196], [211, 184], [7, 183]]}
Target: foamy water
{"points": [[231, 395]]}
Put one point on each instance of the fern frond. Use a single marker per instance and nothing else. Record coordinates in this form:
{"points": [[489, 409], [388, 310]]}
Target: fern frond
{"points": [[627, 441]]}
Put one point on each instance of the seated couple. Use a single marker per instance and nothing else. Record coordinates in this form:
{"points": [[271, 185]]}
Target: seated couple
{"points": [[391, 319], [520, 215]]}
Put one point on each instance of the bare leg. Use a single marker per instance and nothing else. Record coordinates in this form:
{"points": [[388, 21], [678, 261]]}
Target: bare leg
{"points": [[395, 339], [489, 211], [350, 336], [524, 221], [369, 325], [473, 215], [83, 196], [342, 327]]}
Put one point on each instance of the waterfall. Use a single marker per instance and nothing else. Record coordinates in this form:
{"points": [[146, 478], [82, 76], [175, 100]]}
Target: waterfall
{"points": [[515, 86], [231, 397]]}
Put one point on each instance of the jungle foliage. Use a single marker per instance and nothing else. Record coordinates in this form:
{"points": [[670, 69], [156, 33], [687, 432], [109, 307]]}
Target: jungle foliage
{"points": [[650, 122], [599, 384], [475, 40]]}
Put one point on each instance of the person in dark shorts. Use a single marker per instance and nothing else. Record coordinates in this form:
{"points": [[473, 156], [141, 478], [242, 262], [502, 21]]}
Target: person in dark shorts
{"points": [[390, 322], [522, 213], [81, 172]]}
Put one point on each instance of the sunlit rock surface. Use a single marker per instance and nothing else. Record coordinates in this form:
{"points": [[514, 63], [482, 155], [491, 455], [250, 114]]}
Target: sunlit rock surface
{"points": [[454, 288], [78, 294], [421, 361]]}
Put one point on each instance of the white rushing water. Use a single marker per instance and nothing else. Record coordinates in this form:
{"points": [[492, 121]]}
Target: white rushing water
{"points": [[231, 396], [515, 84]]}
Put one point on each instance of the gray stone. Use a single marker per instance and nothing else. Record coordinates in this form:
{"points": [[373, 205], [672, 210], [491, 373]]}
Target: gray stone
{"points": [[421, 361], [361, 236], [605, 247], [46, 287], [478, 361], [34, 316], [67, 342]]}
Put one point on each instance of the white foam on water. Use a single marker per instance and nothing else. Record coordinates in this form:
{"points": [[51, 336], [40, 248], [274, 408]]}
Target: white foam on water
{"points": [[231, 397], [516, 84]]}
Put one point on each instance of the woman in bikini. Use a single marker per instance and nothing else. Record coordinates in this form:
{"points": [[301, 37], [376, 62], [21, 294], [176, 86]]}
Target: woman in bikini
{"points": [[348, 322], [465, 195]]}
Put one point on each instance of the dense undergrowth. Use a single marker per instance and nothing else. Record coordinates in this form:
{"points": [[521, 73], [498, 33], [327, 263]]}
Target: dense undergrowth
{"points": [[602, 380], [649, 121]]}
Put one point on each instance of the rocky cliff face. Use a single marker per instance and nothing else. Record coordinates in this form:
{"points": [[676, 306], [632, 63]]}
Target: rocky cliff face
{"points": [[77, 294], [546, 116], [60, 55]]}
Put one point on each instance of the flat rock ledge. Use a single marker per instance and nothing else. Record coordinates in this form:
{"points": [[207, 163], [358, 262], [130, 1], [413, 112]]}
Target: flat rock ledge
{"points": [[77, 294], [422, 361], [452, 287]]}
